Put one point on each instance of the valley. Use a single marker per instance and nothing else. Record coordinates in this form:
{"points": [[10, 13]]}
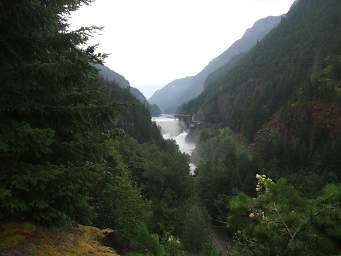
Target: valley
{"points": [[240, 159]]}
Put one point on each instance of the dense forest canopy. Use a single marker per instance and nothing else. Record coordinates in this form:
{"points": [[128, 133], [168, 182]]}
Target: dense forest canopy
{"points": [[266, 78], [276, 111], [76, 148]]}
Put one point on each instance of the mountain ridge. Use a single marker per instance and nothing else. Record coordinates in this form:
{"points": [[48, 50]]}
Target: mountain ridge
{"points": [[173, 95], [112, 76], [267, 79]]}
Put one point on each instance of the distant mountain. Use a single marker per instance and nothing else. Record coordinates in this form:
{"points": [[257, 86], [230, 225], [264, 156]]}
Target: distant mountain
{"points": [[110, 75], [171, 96], [288, 84], [176, 93], [250, 38], [154, 110]]}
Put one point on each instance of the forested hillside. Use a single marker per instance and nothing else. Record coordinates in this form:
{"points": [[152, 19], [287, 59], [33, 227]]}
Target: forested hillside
{"points": [[266, 78], [178, 92], [112, 76], [275, 114], [84, 171], [77, 149], [167, 98], [286, 88], [116, 79]]}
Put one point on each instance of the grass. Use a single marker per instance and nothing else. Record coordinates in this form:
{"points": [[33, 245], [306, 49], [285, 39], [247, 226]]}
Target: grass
{"points": [[42, 241]]}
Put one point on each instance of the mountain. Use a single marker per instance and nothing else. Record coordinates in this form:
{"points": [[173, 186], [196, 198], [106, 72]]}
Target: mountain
{"points": [[284, 96], [112, 76], [271, 73], [176, 93], [170, 97], [154, 110]]}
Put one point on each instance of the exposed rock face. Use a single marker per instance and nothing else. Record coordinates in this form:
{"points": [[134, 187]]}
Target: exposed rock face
{"points": [[117, 241]]}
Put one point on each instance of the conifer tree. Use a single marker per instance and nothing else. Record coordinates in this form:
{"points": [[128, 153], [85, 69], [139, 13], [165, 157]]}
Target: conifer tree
{"points": [[50, 104]]}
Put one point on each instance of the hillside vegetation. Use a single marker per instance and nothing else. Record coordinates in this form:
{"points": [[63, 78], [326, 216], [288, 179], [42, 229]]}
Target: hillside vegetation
{"points": [[272, 73], [275, 114], [82, 164], [78, 149], [173, 95], [283, 97]]}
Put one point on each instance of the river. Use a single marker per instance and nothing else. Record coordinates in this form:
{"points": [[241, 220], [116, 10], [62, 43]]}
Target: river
{"points": [[172, 128]]}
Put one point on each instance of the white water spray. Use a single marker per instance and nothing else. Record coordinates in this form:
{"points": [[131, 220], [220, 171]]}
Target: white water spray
{"points": [[172, 128]]}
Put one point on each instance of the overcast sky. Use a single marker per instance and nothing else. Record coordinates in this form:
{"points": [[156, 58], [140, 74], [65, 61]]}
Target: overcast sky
{"points": [[152, 42]]}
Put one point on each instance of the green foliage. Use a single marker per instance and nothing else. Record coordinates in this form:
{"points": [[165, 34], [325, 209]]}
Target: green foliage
{"points": [[283, 99], [154, 110], [47, 116], [63, 132], [280, 221], [162, 172], [305, 140], [76, 148], [196, 222], [133, 117], [246, 96], [117, 201], [151, 244], [47, 194], [225, 169], [20, 139], [145, 242]]}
